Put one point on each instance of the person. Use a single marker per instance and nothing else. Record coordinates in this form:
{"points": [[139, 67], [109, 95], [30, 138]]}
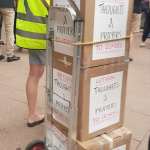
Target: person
{"points": [[0, 25], [136, 17], [8, 14], [136, 20], [31, 29], [146, 30]]}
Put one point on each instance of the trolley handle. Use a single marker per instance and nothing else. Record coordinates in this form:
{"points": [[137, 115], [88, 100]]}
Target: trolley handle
{"points": [[74, 6]]}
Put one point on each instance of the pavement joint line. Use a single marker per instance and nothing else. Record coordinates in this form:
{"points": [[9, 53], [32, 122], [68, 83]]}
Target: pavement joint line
{"points": [[140, 113], [6, 85], [137, 140], [144, 137], [26, 103]]}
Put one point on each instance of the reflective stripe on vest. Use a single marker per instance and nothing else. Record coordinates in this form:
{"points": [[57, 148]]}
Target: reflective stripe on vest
{"points": [[30, 27], [45, 4]]}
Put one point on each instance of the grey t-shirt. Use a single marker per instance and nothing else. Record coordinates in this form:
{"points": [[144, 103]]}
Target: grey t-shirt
{"points": [[6, 3]]}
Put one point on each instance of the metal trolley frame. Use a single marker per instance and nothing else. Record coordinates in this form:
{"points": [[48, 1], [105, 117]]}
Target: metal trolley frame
{"points": [[78, 29]]}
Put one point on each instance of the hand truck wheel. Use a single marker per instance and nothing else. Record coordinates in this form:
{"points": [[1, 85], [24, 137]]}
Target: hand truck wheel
{"points": [[149, 143], [36, 145]]}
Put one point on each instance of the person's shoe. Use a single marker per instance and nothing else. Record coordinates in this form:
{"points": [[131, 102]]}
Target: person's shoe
{"points": [[12, 58], [142, 44], [130, 59], [1, 42], [35, 123], [2, 57], [35, 120]]}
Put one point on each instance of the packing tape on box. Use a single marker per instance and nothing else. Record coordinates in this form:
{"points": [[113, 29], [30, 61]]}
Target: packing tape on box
{"points": [[101, 144], [121, 133], [100, 42], [90, 42], [109, 139]]}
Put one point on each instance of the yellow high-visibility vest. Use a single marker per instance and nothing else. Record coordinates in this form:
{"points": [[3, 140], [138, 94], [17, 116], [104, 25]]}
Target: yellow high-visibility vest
{"points": [[31, 23]]}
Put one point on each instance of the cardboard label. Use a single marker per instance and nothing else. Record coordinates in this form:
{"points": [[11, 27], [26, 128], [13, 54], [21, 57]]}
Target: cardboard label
{"points": [[63, 48], [57, 140], [109, 50], [65, 3], [110, 21], [64, 32], [62, 88], [123, 147], [105, 101], [58, 143]]}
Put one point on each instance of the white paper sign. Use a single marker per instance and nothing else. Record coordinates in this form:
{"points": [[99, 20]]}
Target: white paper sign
{"points": [[58, 143], [63, 48], [62, 88], [109, 50], [105, 101], [64, 32], [120, 148], [65, 3], [110, 21]]}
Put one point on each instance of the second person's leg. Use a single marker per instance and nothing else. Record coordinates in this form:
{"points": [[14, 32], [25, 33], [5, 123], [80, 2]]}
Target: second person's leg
{"points": [[37, 63], [9, 16]]}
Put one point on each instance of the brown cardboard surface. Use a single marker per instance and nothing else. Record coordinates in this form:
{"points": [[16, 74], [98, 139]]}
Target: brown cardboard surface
{"points": [[84, 95], [88, 13], [88, 54], [111, 141], [83, 121]]}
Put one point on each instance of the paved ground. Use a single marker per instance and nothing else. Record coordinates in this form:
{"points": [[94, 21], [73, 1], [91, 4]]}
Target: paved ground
{"points": [[13, 108], [138, 95]]}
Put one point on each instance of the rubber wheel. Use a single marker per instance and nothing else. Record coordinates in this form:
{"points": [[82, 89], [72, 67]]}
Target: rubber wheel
{"points": [[36, 145], [149, 144]]}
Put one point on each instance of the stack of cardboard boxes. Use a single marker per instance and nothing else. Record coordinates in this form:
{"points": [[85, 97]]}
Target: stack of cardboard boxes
{"points": [[103, 75]]}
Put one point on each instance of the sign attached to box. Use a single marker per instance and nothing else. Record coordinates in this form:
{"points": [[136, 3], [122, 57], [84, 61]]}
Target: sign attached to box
{"points": [[114, 16], [62, 88], [120, 148], [105, 101], [108, 50], [64, 31]]}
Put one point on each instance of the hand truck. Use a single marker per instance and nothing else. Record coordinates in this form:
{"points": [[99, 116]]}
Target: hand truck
{"points": [[77, 25]]}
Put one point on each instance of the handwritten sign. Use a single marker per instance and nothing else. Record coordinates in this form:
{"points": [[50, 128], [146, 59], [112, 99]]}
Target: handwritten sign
{"points": [[109, 50], [105, 101], [123, 147], [110, 22], [64, 31], [62, 88]]}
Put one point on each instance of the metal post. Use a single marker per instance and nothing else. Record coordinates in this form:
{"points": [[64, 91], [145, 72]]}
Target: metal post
{"points": [[49, 71], [74, 6], [72, 135]]}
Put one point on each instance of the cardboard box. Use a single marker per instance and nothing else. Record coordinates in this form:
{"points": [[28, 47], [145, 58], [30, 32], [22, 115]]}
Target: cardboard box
{"points": [[117, 140], [103, 21], [101, 96]]}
